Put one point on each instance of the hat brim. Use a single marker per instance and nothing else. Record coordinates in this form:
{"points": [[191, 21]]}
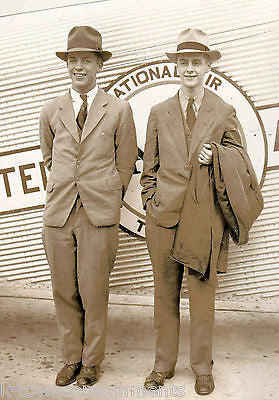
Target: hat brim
{"points": [[214, 55], [106, 55]]}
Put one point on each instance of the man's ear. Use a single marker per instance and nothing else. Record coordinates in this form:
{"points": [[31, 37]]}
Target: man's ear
{"points": [[100, 63], [208, 63]]}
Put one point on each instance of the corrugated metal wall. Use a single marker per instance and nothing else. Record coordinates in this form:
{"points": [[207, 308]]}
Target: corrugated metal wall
{"points": [[137, 31]]}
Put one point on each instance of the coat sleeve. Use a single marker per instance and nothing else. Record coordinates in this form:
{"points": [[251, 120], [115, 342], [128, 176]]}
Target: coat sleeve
{"points": [[232, 131], [151, 161], [46, 138], [126, 151]]}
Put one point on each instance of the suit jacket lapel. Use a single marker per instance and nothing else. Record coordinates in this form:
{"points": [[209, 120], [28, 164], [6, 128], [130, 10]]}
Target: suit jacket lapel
{"points": [[95, 114], [67, 115], [204, 119], [175, 124]]}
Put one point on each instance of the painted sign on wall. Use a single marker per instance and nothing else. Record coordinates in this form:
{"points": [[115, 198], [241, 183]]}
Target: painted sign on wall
{"points": [[23, 176]]}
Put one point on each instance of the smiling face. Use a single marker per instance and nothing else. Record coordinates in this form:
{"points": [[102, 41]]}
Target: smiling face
{"points": [[192, 68], [83, 67]]}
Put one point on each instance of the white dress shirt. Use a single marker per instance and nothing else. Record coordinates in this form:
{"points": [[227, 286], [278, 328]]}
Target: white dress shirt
{"points": [[183, 99]]}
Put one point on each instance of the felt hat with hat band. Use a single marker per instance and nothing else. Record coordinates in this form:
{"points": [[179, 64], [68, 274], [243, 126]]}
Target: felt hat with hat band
{"points": [[84, 38], [193, 40]]}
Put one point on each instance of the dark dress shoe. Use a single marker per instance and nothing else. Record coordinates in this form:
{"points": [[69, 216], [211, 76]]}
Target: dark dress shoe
{"points": [[156, 379], [204, 384], [88, 376], [67, 374]]}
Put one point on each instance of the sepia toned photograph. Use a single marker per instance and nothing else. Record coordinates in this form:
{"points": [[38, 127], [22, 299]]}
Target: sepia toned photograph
{"points": [[139, 199]]}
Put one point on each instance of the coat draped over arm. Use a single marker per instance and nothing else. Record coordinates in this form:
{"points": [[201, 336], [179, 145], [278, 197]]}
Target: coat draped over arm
{"points": [[222, 199]]}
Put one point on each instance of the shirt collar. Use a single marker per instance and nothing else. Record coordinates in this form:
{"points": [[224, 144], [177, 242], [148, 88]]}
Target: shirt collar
{"points": [[184, 100], [90, 95]]}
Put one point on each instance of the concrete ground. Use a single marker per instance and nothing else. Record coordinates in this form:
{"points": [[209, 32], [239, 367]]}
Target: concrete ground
{"points": [[246, 351]]}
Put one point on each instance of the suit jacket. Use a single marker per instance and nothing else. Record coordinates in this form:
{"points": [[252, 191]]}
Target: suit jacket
{"points": [[99, 167], [170, 169]]}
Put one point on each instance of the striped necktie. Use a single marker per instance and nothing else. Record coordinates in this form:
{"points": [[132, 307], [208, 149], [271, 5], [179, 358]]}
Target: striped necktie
{"points": [[82, 114], [190, 114]]}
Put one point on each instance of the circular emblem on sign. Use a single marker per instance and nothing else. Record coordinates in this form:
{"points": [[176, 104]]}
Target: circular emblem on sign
{"points": [[151, 83]]}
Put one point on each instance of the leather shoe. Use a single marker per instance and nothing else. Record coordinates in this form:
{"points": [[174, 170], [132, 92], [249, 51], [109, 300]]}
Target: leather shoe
{"points": [[67, 374], [88, 376], [204, 384], [156, 379]]}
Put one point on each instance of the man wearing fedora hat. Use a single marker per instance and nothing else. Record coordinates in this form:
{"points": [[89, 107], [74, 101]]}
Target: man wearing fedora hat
{"points": [[88, 143], [177, 169]]}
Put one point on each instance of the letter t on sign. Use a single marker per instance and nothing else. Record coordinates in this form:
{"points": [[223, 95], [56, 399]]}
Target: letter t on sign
{"points": [[5, 173]]}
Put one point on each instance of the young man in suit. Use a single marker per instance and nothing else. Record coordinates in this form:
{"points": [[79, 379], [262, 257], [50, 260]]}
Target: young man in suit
{"points": [[88, 142], [177, 157]]}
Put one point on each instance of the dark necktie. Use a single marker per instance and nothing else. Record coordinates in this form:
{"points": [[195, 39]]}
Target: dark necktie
{"points": [[82, 114], [81, 117], [190, 114]]}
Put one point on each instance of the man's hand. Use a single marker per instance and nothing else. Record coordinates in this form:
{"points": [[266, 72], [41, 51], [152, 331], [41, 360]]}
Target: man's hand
{"points": [[205, 156]]}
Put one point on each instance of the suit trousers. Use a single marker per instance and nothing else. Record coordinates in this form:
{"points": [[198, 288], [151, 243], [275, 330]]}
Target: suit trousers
{"points": [[81, 257], [168, 275]]}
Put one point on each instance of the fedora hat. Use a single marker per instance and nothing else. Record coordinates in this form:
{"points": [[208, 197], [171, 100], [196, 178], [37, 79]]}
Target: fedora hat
{"points": [[84, 38], [193, 40]]}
